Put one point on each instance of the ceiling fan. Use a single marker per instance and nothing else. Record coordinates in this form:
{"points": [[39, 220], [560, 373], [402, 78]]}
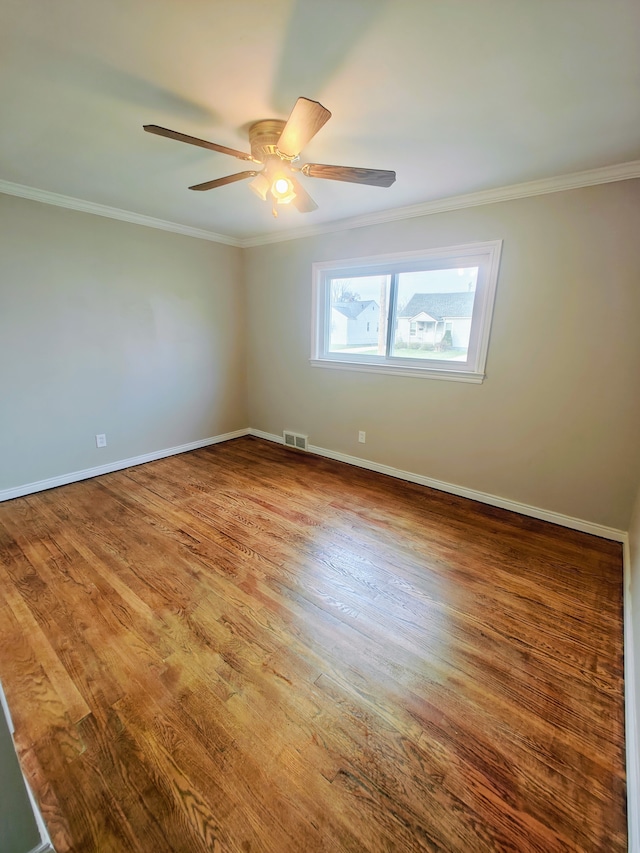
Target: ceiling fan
{"points": [[276, 146]]}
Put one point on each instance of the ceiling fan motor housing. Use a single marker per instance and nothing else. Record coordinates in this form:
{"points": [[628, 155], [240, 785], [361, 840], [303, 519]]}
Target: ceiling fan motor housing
{"points": [[263, 138]]}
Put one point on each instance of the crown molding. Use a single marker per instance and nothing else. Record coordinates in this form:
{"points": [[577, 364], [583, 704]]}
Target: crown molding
{"points": [[572, 181], [575, 180], [83, 206]]}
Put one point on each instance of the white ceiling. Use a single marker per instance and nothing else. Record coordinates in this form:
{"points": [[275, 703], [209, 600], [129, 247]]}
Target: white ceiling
{"points": [[457, 96]]}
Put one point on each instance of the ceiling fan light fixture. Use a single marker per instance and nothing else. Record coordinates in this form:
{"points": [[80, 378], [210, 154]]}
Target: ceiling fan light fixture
{"points": [[282, 189], [261, 186]]}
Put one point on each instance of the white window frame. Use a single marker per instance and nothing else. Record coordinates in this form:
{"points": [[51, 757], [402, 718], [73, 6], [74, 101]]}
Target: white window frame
{"points": [[486, 256]]}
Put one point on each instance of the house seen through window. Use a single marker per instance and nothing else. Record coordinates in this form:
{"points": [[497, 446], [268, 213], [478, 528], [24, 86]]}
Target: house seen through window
{"points": [[423, 312]]}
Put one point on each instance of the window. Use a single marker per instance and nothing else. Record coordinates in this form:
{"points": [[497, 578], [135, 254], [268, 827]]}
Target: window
{"points": [[432, 312]]}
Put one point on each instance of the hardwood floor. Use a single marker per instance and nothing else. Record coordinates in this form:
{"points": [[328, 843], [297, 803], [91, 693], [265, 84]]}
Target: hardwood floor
{"points": [[246, 648]]}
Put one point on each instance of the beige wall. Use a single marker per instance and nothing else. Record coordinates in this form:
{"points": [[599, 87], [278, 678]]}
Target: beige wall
{"points": [[555, 424], [109, 327]]}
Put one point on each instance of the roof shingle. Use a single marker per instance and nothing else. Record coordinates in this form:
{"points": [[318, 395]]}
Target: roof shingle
{"points": [[353, 309], [440, 305]]}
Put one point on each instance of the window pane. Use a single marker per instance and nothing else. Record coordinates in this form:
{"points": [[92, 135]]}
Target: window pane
{"points": [[419, 313], [359, 309], [433, 315]]}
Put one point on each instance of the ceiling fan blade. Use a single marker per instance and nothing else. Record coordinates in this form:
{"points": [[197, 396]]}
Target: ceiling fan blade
{"points": [[220, 182], [374, 177], [302, 201], [306, 119], [193, 140]]}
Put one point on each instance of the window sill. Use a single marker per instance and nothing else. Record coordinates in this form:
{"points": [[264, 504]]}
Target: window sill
{"points": [[400, 370]]}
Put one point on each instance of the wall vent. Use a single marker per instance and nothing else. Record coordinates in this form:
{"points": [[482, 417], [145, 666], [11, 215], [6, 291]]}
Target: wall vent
{"points": [[295, 439]]}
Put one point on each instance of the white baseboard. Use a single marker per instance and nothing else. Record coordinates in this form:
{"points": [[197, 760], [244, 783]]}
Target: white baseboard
{"points": [[268, 436], [87, 473], [632, 720], [45, 845], [483, 497]]}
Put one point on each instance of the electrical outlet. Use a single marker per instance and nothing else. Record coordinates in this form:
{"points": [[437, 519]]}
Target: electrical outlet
{"points": [[101, 440], [362, 436]]}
